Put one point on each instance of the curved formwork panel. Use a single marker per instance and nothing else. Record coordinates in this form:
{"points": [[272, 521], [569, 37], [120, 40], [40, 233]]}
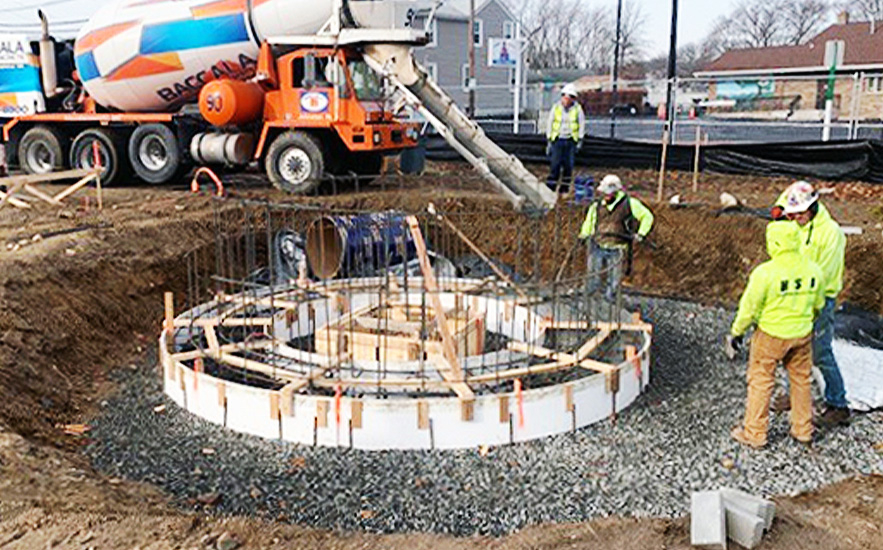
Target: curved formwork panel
{"points": [[339, 388]]}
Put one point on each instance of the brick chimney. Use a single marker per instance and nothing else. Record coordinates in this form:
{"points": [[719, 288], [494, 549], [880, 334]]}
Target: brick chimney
{"points": [[843, 18]]}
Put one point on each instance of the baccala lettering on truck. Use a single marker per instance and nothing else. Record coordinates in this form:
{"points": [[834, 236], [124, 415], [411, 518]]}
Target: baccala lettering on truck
{"points": [[189, 87]]}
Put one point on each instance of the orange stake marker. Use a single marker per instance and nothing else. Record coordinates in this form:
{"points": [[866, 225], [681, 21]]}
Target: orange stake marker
{"points": [[519, 399], [337, 393]]}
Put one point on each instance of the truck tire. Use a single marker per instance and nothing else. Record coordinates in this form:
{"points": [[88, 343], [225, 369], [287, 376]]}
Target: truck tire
{"points": [[154, 153], [295, 163], [40, 152], [109, 148]]}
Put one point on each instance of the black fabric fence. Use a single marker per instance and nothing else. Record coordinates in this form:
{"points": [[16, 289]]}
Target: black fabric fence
{"points": [[860, 160]]}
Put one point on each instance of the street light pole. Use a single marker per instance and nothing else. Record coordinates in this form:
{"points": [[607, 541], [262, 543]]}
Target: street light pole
{"points": [[471, 58], [672, 70], [616, 68]]}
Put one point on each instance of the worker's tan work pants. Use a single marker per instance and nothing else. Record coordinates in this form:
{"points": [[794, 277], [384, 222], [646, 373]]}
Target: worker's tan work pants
{"points": [[796, 356]]}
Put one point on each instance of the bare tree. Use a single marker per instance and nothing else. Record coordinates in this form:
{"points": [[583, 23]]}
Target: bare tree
{"points": [[865, 10], [634, 23], [805, 19], [572, 34], [763, 23], [759, 23]]}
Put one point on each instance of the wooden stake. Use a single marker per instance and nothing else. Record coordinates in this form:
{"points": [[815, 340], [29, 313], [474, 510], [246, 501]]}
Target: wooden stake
{"points": [[98, 190], [41, 195], [696, 159], [422, 415], [659, 193], [452, 374], [170, 312], [356, 414], [481, 255]]}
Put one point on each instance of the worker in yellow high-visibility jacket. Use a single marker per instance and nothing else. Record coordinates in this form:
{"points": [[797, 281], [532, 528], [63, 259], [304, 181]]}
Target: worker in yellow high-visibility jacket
{"points": [[782, 298], [822, 241], [613, 223], [565, 129]]}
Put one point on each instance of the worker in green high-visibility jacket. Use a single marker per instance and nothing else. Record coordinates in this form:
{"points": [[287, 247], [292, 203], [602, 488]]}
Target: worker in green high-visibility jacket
{"points": [[822, 241], [564, 134], [613, 223], [782, 298]]}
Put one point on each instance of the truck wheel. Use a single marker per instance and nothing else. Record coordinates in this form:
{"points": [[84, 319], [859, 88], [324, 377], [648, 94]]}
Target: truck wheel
{"points": [[154, 153], [40, 152], [82, 155], [295, 163]]}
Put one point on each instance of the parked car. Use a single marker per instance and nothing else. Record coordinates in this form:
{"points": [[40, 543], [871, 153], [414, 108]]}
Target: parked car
{"points": [[625, 109]]}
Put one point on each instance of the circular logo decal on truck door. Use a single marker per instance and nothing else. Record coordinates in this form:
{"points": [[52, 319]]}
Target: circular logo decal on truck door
{"points": [[314, 102]]}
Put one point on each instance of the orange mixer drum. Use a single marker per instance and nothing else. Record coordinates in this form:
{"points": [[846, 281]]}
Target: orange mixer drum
{"points": [[226, 102]]}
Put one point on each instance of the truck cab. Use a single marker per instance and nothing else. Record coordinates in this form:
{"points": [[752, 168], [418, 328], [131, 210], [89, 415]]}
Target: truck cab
{"points": [[325, 112]]}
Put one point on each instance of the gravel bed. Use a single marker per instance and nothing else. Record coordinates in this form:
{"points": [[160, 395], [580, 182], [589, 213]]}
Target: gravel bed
{"points": [[673, 440]]}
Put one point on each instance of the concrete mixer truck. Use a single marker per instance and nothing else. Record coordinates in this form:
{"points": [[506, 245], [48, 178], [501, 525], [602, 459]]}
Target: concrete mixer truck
{"points": [[141, 65], [300, 86]]}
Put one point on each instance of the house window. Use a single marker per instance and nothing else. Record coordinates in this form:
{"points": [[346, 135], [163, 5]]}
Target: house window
{"points": [[432, 71], [509, 29], [874, 84], [478, 33], [432, 34], [464, 76]]}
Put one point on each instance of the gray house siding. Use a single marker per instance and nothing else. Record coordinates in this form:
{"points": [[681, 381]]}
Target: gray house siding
{"points": [[493, 94]]}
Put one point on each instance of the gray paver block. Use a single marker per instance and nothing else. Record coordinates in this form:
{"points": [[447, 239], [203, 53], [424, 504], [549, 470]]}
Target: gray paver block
{"points": [[708, 521], [756, 505], [743, 527]]}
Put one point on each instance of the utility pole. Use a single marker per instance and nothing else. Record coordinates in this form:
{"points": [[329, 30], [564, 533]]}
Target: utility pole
{"points": [[616, 68], [672, 71], [471, 58]]}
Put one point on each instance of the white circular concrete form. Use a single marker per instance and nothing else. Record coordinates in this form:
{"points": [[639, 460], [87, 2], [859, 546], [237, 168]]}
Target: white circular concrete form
{"points": [[353, 363]]}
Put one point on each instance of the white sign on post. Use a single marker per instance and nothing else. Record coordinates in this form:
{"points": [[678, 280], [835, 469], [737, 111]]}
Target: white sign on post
{"points": [[503, 52], [506, 53]]}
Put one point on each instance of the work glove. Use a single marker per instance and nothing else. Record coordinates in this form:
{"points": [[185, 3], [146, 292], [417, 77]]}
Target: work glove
{"points": [[638, 238], [548, 148], [732, 346], [777, 213], [579, 146]]}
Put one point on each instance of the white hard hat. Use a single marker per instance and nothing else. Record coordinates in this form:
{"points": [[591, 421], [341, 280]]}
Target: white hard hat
{"points": [[799, 196], [569, 89], [610, 184]]}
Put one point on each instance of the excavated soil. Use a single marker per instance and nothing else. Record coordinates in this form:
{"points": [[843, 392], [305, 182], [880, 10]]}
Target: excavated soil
{"points": [[85, 297]]}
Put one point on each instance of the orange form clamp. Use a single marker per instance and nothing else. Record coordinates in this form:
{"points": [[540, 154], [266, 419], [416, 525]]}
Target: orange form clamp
{"points": [[519, 399]]}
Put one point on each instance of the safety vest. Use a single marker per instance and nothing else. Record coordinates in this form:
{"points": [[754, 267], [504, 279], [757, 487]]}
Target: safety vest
{"points": [[558, 115], [783, 293]]}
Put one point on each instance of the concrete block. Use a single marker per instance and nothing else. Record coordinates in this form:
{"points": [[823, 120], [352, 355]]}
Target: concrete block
{"points": [[708, 521], [756, 505], [743, 527]]}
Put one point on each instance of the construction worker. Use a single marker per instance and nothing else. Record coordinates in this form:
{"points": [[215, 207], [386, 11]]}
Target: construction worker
{"points": [[822, 241], [614, 221], [564, 135], [782, 298]]}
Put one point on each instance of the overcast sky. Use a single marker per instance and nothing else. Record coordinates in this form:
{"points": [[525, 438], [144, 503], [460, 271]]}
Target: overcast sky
{"points": [[695, 16]]}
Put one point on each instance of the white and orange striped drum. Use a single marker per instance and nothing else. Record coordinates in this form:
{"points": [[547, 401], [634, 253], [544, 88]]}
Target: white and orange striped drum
{"points": [[156, 55]]}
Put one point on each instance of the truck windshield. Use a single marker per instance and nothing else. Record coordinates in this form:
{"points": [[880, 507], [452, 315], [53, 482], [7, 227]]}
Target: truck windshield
{"points": [[366, 83]]}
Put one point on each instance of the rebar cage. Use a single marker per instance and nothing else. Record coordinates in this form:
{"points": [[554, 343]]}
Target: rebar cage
{"points": [[318, 306]]}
